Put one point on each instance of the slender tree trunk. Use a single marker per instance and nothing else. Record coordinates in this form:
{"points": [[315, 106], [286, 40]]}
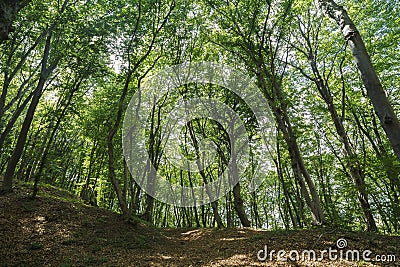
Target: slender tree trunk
{"points": [[194, 204], [387, 162], [10, 75], [377, 95], [113, 176], [237, 197], [285, 190], [352, 163], [50, 141], [356, 174], [271, 87], [154, 153], [15, 157], [84, 194], [214, 204], [307, 187], [238, 200], [13, 119], [257, 219]]}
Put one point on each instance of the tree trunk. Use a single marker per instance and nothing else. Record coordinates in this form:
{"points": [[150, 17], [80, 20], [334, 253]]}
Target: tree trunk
{"points": [[113, 177], [50, 140], [239, 207], [110, 149], [377, 95], [13, 119], [352, 163], [356, 174], [15, 157], [307, 187], [284, 187], [214, 204], [237, 197], [238, 200]]}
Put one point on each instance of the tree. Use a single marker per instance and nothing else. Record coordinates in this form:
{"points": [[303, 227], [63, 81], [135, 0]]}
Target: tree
{"points": [[254, 46], [8, 12], [46, 70], [134, 63], [384, 110], [309, 38]]}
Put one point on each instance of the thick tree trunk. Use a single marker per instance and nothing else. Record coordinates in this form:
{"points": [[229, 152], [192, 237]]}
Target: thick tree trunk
{"points": [[239, 207], [382, 106], [148, 212]]}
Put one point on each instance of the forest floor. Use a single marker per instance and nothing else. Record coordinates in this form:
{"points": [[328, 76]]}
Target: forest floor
{"points": [[57, 229]]}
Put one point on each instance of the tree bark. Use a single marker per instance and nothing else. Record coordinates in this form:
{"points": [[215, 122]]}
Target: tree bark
{"points": [[307, 187], [239, 207], [237, 196], [376, 94], [268, 82]]}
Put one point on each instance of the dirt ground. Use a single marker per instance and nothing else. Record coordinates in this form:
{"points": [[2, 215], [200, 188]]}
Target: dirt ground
{"points": [[56, 229]]}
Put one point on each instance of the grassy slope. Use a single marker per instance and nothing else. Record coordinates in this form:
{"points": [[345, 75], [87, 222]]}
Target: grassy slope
{"points": [[56, 229]]}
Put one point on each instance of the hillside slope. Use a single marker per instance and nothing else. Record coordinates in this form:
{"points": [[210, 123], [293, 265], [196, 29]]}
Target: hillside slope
{"points": [[56, 229]]}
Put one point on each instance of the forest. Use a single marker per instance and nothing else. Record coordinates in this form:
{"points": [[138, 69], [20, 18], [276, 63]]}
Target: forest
{"points": [[277, 115]]}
